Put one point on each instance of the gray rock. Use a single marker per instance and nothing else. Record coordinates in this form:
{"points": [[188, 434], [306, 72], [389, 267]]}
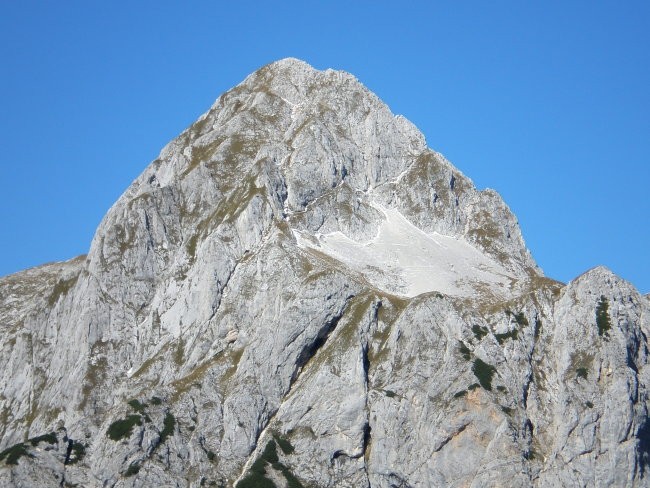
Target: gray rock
{"points": [[297, 288]]}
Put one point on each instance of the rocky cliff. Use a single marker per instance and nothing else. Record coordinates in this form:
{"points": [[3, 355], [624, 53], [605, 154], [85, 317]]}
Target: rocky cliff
{"points": [[299, 292]]}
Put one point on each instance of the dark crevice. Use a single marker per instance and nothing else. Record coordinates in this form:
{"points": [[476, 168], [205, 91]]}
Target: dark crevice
{"points": [[630, 361], [375, 312], [366, 441], [68, 452], [66, 461], [222, 287], [396, 481], [454, 434], [526, 391], [303, 358], [141, 438], [367, 437], [530, 375], [338, 454], [529, 432], [643, 449], [366, 364], [310, 349]]}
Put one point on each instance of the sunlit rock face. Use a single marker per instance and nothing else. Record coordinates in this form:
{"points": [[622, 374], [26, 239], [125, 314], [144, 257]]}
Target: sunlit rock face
{"points": [[299, 292]]}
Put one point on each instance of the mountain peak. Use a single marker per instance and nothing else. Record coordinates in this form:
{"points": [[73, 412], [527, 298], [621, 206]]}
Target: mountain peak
{"points": [[290, 292], [309, 137], [286, 70], [290, 63]]}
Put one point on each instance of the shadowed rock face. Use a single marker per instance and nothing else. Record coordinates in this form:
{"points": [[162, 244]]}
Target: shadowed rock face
{"points": [[298, 292]]}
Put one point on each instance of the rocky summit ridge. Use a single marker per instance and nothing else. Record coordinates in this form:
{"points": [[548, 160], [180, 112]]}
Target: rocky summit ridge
{"points": [[299, 292]]}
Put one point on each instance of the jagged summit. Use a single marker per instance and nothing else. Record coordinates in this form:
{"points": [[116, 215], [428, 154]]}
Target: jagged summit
{"points": [[299, 292], [309, 141], [292, 69], [291, 63], [291, 76]]}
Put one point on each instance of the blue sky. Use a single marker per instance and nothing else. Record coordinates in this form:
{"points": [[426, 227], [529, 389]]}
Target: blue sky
{"points": [[546, 102]]}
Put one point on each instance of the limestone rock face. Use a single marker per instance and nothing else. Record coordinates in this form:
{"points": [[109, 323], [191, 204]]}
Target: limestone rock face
{"points": [[299, 292]]}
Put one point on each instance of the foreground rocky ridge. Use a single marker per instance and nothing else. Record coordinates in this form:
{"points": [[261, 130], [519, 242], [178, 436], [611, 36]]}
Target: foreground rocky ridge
{"points": [[222, 328]]}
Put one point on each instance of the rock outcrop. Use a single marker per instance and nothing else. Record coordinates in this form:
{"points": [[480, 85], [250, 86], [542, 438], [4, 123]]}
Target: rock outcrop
{"points": [[299, 292]]}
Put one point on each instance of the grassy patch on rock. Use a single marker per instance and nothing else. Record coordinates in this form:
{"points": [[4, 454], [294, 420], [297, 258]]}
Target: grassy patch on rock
{"points": [[484, 373], [133, 469], [12, 454], [602, 317], [511, 334], [284, 444], [256, 477], [123, 428], [464, 351], [479, 332], [581, 373], [168, 427], [77, 452], [49, 438], [61, 288]]}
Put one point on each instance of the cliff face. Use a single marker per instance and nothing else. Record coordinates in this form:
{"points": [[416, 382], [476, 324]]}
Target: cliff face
{"points": [[298, 292]]}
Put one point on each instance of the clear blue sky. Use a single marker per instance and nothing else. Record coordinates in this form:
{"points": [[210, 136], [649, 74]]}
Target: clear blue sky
{"points": [[546, 102]]}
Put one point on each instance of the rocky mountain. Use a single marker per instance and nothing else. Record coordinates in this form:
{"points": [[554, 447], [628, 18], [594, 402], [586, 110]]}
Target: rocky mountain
{"points": [[298, 292]]}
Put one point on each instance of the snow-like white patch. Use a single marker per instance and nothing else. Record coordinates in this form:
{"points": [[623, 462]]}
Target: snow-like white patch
{"points": [[404, 260]]}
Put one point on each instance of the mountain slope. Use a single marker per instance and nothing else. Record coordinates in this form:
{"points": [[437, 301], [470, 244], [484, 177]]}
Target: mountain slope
{"points": [[299, 291]]}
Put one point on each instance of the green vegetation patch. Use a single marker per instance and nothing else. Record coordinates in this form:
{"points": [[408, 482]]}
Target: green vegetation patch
{"points": [[179, 353], [292, 481], [520, 318], [95, 375], [77, 452], [581, 363], [259, 467], [49, 438], [521, 321], [254, 480], [61, 288], [460, 394], [168, 427], [270, 453], [133, 469], [484, 373], [284, 444], [12, 454], [511, 334], [256, 477], [479, 332], [123, 428], [464, 351], [389, 393], [156, 401], [137, 406], [473, 386], [602, 317]]}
